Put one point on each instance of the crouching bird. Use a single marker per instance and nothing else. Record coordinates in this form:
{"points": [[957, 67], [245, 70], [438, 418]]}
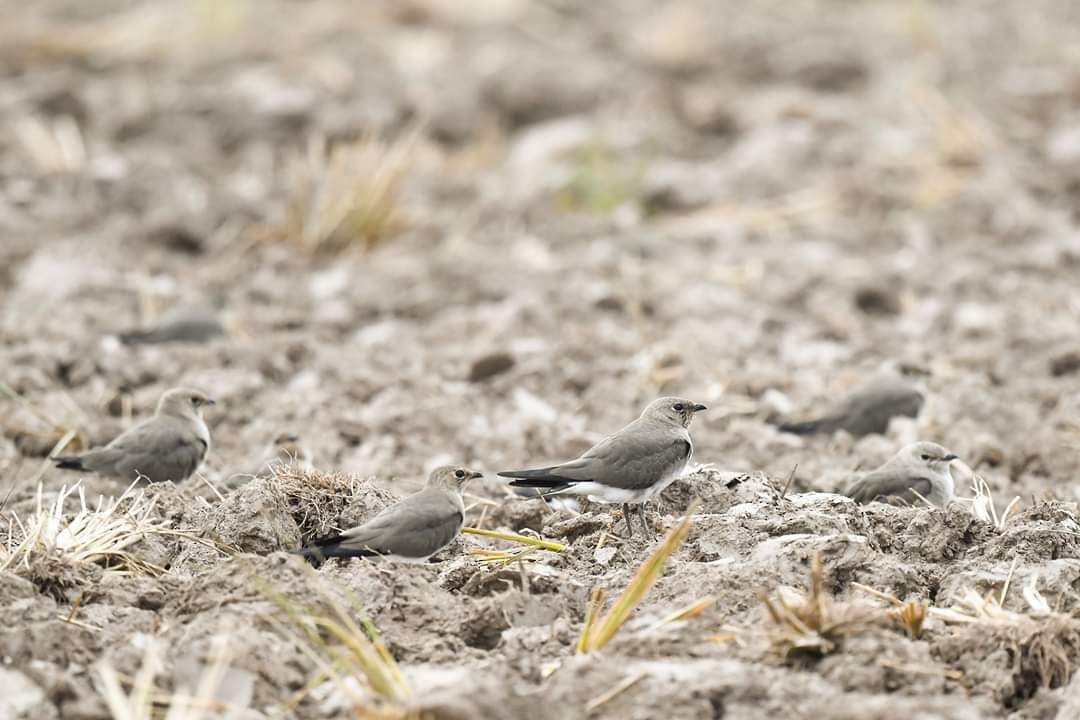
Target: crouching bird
{"points": [[411, 530], [919, 469], [894, 391]]}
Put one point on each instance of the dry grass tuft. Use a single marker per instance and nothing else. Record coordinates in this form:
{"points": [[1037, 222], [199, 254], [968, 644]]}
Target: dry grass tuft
{"points": [[813, 624], [971, 607], [345, 196], [348, 652], [598, 631], [910, 615], [1050, 651], [101, 534], [315, 499], [1045, 645], [983, 507]]}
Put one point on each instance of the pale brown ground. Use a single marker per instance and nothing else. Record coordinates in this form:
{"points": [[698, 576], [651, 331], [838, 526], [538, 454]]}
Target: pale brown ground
{"points": [[627, 200]]}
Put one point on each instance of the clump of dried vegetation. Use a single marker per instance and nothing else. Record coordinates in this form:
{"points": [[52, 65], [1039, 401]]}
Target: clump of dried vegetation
{"points": [[315, 499], [909, 615], [103, 533], [983, 507], [344, 196], [813, 624], [1044, 644]]}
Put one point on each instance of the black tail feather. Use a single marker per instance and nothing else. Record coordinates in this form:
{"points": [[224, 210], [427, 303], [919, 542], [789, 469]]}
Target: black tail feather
{"points": [[324, 548], [547, 482], [70, 462], [538, 478]]}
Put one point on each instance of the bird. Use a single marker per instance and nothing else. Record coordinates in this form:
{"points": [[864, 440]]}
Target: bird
{"points": [[169, 446], [411, 530], [891, 392], [196, 322], [921, 467], [631, 466]]}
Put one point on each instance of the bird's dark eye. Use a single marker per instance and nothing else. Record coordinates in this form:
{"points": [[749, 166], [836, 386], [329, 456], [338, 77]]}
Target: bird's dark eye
{"points": [[677, 407], [194, 400], [926, 457], [459, 474]]}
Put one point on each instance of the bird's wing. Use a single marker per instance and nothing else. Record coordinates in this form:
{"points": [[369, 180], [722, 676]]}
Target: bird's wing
{"points": [[106, 459], [872, 411], [418, 526], [880, 485], [160, 449], [631, 460]]}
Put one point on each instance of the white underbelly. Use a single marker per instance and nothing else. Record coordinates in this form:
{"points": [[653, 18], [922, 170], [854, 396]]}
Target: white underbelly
{"points": [[942, 492], [608, 494]]}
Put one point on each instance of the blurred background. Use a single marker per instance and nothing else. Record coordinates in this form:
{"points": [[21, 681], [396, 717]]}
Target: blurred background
{"points": [[414, 231]]}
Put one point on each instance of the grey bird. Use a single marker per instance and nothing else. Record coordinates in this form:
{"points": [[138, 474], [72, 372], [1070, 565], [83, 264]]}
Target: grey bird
{"points": [[186, 322], [411, 530], [169, 446], [631, 466], [921, 467], [891, 392]]}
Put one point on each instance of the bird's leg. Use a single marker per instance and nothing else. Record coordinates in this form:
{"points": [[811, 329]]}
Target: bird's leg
{"points": [[626, 516], [649, 532]]}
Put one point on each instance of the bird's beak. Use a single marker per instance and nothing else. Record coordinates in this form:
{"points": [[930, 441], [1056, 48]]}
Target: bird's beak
{"points": [[950, 457], [699, 407], [473, 475], [210, 401]]}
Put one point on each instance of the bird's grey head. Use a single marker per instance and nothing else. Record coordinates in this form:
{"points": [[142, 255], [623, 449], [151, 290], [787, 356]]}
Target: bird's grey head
{"points": [[675, 410], [451, 477], [926, 455], [183, 402]]}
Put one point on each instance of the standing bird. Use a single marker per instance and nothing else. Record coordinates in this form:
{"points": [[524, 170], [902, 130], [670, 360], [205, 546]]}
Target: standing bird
{"points": [[890, 393], [169, 446], [629, 467], [921, 467], [412, 530]]}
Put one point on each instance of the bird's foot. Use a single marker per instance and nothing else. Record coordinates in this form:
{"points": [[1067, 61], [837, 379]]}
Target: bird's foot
{"points": [[629, 527], [646, 526]]}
